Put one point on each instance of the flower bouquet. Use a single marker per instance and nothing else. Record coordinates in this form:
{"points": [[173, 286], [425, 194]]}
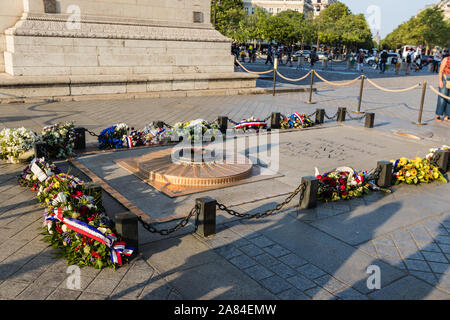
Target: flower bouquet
{"points": [[341, 183], [251, 124], [62, 185], [17, 145], [36, 173], [113, 137], [194, 131], [60, 139], [296, 120], [415, 171]]}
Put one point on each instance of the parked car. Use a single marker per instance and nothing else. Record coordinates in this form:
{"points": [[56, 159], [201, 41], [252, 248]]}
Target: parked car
{"points": [[374, 61], [300, 53]]}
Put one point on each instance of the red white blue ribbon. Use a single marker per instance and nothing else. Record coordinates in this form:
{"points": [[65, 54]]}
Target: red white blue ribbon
{"points": [[244, 124], [129, 142], [117, 249], [300, 118]]}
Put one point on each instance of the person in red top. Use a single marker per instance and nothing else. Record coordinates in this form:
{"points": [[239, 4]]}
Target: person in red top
{"points": [[443, 106]]}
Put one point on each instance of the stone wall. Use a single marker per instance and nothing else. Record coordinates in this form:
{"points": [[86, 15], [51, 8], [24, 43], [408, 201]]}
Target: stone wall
{"points": [[10, 12]]}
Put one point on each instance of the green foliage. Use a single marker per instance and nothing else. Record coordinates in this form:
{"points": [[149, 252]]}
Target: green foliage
{"points": [[429, 28]]}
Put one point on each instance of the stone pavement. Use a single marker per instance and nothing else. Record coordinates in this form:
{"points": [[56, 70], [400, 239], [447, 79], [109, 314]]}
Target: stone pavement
{"points": [[321, 253]]}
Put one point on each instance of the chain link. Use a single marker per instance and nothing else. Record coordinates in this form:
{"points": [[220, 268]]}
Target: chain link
{"points": [[312, 114], [333, 117], [356, 118], [92, 133], [267, 118], [435, 158], [300, 189], [374, 174], [164, 232]]}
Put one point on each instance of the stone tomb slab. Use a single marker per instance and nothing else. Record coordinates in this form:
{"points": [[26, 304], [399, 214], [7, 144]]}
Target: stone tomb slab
{"points": [[300, 153]]}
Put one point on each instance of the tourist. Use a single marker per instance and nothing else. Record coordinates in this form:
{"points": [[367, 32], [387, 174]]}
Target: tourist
{"points": [[269, 54], [443, 107], [436, 60], [383, 61], [409, 59], [360, 61], [313, 57]]}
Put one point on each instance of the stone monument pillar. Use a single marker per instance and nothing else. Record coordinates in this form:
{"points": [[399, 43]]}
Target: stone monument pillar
{"points": [[104, 47]]}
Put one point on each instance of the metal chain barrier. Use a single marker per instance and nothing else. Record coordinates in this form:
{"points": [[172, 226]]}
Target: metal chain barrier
{"points": [[334, 83], [254, 72], [374, 174], [331, 118], [294, 80], [164, 232], [92, 133], [300, 190], [438, 93], [391, 90], [312, 114], [355, 118]]}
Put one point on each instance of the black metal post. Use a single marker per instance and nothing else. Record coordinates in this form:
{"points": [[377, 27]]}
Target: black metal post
{"points": [[275, 122], [206, 223], [320, 116], [385, 174], [370, 120], [40, 150], [80, 140], [341, 114], [443, 160], [223, 124], [310, 196], [127, 228]]}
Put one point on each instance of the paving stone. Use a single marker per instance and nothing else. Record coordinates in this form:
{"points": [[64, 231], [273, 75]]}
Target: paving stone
{"points": [[266, 260], [10, 289], [442, 239], [293, 260], [156, 289], [252, 250], [293, 294], [51, 278], [243, 261], [300, 282], [417, 265], [426, 276], [311, 271], [406, 244], [283, 270], [330, 283], [350, 294], [422, 237], [275, 284], [277, 250], [440, 267], [139, 275], [369, 249], [387, 251], [92, 296], [397, 262], [411, 254], [102, 286], [35, 292], [418, 229], [429, 247], [128, 290], [228, 251], [318, 293], [258, 272], [64, 294], [434, 256], [444, 247], [262, 241], [385, 241]]}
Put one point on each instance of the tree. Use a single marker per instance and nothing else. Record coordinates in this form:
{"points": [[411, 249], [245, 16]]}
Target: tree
{"points": [[227, 16]]}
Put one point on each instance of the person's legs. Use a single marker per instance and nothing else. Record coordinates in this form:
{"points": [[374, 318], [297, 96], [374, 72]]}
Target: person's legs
{"points": [[442, 108]]}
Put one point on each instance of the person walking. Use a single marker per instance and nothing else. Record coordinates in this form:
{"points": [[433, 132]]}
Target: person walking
{"points": [[269, 54], [313, 57], [443, 105], [436, 60], [409, 58], [383, 61], [360, 61]]}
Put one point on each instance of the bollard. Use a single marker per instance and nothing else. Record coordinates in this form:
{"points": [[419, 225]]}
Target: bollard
{"points": [[312, 188], [275, 67], [341, 114], [206, 223], [40, 150], [370, 120], [360, 95], [311, 88], [320, 116], [442, 160], [275, 122], [422, 101], [223, 124], [127, 228], [80, 140], [95, 190], [385, 174]]}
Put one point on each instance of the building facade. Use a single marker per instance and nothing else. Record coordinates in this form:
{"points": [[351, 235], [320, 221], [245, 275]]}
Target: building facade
{"points": [[444, 5], [277, 6], [320, 5]]}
